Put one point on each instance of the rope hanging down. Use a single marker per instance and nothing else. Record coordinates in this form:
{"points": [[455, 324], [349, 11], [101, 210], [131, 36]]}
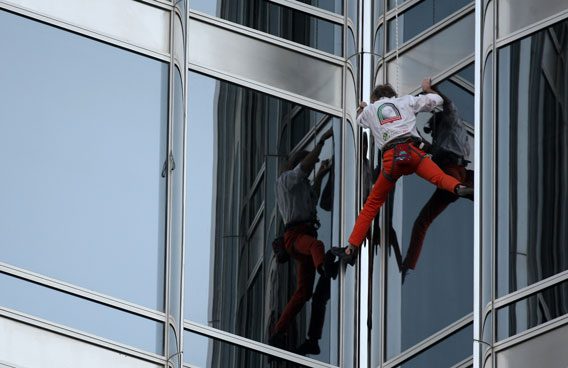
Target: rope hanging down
{"points": [[397, 70]]}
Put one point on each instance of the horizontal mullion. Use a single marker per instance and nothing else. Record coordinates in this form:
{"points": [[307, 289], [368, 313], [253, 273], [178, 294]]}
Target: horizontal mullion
{"points": [[401, 8], [243, 342], [448, 72], [311, 10], [530, 290], [467, 362], [80, 335], [535, 27], [81, 292], [267, 89], [430, 341], [84, 31], [266, 37], [429, 32], [531, 333]]}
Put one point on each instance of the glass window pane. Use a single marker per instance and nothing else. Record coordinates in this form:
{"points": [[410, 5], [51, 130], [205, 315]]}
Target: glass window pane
{"points": [[530, 312], [431, 233], [204, 352], [233, 215], [335, 6], [433, 56], [81, 314], [452, 350], [277, 20], [419, 18], [87, 202], [533, 187]]}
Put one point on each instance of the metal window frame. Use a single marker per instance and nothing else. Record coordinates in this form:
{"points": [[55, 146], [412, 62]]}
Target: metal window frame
{"points": [[264, 36], [39, 17], [466, 363], [530, 333], [82, 293], [253, 345], [79, 335], [528, 30], [429, 32], [311, 10], [429, 341], [530, 290]]}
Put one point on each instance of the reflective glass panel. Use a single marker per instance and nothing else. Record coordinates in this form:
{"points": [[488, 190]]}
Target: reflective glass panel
{"points": [[419, 18], [277, 20], [204, 352], [83, 136], [335, 6], [81, 314], [450, 351], [535, 310], [533, 186], [433, 56], [468, 74], [430, 232], [238, 144]]}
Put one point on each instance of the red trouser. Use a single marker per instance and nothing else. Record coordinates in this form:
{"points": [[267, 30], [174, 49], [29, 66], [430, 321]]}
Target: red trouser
{"points": [[416, 162], [439, 201], [308, 252]]}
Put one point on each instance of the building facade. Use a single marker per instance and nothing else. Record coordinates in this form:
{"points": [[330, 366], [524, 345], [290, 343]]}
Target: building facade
{"points": [[142, 141]]}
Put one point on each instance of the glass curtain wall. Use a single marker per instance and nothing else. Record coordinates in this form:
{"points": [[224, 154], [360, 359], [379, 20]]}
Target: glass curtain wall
{"points": [[532, 185], [524, 262]]}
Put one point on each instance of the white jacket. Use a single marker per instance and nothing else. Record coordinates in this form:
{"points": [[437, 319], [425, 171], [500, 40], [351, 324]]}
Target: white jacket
{"points": [[390, 118]]}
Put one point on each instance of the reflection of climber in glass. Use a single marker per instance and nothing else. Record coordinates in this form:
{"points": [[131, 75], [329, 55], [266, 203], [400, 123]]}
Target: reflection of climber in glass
{"points": [[392, 120], [297, 200], [450, 150]]}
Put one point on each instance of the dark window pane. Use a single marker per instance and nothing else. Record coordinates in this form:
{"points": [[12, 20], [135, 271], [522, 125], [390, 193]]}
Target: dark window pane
{"points": [[233, 215], [446, 353], [81, 314], [419, 18], [277, 20], [535, 310], [83, 136], [533, 187], [204, 352], [468, 73], [335, 6]]}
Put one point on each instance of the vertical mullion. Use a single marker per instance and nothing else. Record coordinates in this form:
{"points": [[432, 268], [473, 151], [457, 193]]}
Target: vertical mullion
{"points": [[169, 190]]}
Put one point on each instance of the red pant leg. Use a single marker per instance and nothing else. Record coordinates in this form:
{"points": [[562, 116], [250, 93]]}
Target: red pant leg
{"points": [[428, 170], [306, 274], [306, 245], [378, 195]]}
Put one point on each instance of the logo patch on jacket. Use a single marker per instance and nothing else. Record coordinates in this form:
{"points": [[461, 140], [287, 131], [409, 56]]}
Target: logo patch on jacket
{"points": [[388, 113]]}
